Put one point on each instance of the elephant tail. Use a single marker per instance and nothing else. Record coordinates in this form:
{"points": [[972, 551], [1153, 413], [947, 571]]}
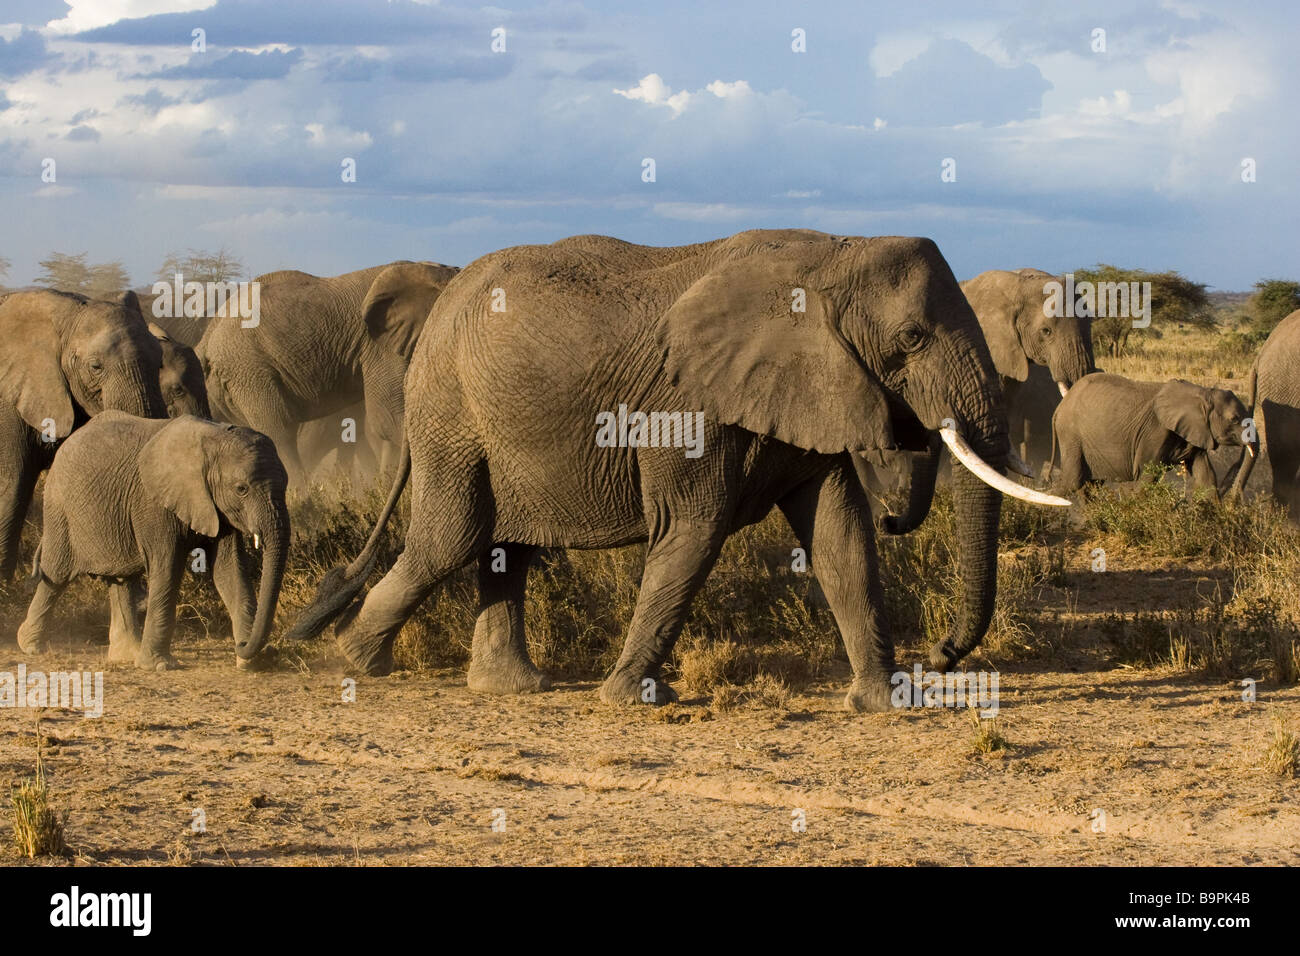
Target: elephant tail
{"points": [[340, 586]]}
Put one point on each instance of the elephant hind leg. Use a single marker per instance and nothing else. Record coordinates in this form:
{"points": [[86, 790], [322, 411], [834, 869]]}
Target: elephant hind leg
{"points": [[32, 638], [499, 661], [450, 526]]}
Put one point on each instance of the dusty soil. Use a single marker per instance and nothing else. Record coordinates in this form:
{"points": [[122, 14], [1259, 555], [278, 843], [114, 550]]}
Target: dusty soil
{"points": [[286, 772]]}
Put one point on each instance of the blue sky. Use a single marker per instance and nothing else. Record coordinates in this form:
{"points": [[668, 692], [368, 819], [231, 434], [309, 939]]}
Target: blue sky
{"points": [[1064, 156]]}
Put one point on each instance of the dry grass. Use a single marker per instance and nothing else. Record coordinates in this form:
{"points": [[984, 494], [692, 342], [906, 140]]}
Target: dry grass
{"points": [[38, 827], [988, 737], [1282, 756]]}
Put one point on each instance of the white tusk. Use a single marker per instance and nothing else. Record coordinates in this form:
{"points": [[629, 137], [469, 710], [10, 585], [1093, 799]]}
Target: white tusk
{"points": [[1063, 387], [986, 473], [257, 542], [1251, 450], [1017, 464]]}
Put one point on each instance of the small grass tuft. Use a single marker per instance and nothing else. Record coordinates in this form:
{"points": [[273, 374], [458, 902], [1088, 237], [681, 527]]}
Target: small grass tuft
{"points": [[988, 735], [38, 828], [1282, 756]]}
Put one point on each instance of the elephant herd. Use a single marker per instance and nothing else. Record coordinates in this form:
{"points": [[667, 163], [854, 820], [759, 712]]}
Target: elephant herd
{"points": [[543, 397]]}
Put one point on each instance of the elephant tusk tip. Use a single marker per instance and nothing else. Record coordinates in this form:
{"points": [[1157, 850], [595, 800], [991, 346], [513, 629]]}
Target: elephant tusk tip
{"points": [[1063, 388]]}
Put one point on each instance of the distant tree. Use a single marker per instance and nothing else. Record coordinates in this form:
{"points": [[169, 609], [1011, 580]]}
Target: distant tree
{"points": [[108, 280], [68, 273], [5, 266], [71, 273], [1272, 301], [1175, 300], [198, 265]]}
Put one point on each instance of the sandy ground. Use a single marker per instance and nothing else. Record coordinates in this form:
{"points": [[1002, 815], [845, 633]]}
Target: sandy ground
{"points": [[417, 769]]}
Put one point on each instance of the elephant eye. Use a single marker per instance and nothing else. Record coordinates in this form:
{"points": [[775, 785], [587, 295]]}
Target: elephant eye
{"points": [[241, 488], [1047, 331], [911, 338]]}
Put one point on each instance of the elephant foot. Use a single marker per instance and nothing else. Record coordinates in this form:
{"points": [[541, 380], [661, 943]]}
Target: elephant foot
{"points": [[944, 656], [372, 653], [637, 689], [123, 652], [30, 641], [517, 678], [872, 697], [154, 661]]}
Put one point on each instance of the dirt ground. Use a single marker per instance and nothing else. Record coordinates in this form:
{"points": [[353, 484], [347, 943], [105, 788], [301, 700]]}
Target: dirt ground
{"points": [[417, 770]]}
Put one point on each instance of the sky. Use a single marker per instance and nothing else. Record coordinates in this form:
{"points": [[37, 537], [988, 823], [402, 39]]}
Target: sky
{"points": [[125, 137]]}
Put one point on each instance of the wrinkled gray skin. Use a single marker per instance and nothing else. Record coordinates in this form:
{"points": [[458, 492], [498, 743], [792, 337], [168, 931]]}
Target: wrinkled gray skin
{"points": [[181, 377], [1032, 351], [501, 425], [181, 484], [1275, 406], [63, 358], [1109, 428], [322, 344]]}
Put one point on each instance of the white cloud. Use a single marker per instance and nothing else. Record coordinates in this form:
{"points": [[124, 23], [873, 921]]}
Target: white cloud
{"points": [[653, 90], [89, 14]]}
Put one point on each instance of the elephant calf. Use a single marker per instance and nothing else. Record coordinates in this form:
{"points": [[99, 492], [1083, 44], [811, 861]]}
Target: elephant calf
{"points": [[1109, 428], [129, 498]]}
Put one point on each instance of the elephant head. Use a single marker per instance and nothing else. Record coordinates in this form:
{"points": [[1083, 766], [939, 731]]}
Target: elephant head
{"points": [[1204, 417], [848, 344], [220, 480], [1017, 314], [399, 300], [181, 377], [66, 357]]}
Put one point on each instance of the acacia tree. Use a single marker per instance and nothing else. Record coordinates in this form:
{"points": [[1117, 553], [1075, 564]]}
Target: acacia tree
{"points": [[72, 273], [1175, 300], [1272, 301], [199, 265]]}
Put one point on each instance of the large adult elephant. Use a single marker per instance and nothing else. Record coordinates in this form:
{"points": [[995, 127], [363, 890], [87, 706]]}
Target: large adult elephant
{"points": [[1038, 352], [320, 345], [1275, 405], [64, 358], [566, 421]]}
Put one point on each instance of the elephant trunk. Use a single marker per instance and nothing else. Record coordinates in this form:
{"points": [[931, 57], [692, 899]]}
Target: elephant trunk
{"points": [[1250, 452], [978, 508], [1071, 360], [137, 394], [925, 468], [273, 530]]}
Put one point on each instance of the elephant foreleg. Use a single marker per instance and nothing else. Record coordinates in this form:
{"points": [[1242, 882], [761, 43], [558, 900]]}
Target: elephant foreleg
{"points": [[1202, 472], [16, 487], [160, 616], [499, 661], [678, 560], [232, 573], [832, 519], [124, 633]]}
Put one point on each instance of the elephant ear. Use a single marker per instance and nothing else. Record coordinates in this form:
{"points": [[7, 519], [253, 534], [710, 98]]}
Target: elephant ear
{"points": [[994, 299], [399, 301], [1183, 408], [173, 467], [733, 344], [31, 371]]}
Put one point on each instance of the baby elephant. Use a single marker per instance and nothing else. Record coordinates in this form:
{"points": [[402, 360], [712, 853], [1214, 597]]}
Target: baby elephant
{"points": [[1110, 427], [131, 497]]}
